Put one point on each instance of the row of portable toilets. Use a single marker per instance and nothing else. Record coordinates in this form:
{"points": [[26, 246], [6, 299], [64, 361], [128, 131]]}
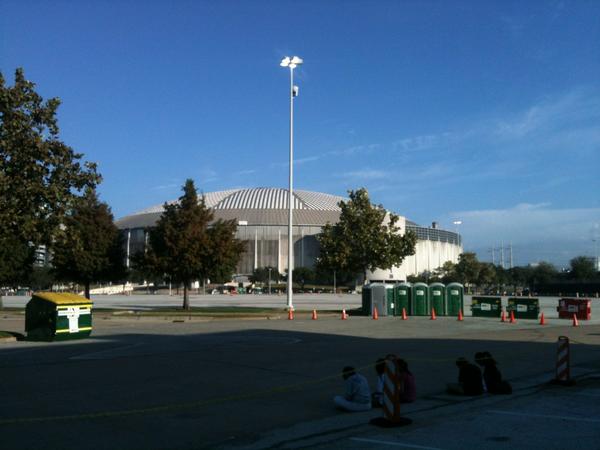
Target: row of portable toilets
{"points": [[416, 299]]}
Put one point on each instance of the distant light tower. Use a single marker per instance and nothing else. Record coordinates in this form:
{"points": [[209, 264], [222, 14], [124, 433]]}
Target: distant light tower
{"points": [[292, 63]]}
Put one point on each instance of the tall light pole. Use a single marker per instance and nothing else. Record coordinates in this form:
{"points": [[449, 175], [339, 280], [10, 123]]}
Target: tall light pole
{"points": [[456, 224], [292, 63]]}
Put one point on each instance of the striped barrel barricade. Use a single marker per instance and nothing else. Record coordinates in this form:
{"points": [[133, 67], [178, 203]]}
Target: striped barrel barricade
{"points": [[563, 362], [392, 388]]}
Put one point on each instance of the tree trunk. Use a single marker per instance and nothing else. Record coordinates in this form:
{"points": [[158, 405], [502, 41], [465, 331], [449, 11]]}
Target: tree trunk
{"points": [[186, 300], [87, 290], [1, 305]]}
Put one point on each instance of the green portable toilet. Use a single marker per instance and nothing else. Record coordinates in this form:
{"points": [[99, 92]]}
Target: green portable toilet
{"points": [[486, 306], [51, 316], [402, 298], [366, 300], [437, 296], [420, 302], [524, 307], [455, 299], [389, 299]]}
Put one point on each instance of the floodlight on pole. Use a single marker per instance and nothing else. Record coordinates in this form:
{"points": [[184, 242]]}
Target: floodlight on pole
{"points": [[456, 224], [292, 63]]}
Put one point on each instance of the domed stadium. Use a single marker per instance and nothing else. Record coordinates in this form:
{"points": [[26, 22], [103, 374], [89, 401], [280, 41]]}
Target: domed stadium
{"points": [[262, 217]]}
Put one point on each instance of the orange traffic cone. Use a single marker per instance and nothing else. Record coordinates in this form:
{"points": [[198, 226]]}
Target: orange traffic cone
{"points": [[503, 316], [404, 316], [542, 319], [575, 321], [433, 317], [512, 317], [314, 314], [460, 315], [290, 314], [375, 313], [344, 315]]}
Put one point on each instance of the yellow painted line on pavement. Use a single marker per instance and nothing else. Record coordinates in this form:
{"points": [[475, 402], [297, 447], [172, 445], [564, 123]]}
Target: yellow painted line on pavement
{"points": [[66, 330]]}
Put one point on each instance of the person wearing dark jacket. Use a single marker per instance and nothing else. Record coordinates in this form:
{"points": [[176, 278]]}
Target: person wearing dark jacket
{"points": [[469, 379], [491, 375]]}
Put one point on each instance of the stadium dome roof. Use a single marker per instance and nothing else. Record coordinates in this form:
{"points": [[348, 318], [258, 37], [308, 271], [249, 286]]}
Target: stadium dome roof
{"points": [[256, 206]]}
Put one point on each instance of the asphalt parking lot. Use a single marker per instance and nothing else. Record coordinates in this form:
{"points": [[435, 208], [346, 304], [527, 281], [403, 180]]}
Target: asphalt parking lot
{"points": [[201, 383]]}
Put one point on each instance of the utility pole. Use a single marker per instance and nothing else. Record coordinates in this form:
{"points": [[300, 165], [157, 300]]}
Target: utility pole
{"points": [[269, 281], [511, 256], [502, 254], [334, 291], [493, 250]]}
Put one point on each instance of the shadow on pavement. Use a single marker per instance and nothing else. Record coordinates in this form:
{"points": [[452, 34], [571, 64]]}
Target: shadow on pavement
{"points": [[201, 390]]}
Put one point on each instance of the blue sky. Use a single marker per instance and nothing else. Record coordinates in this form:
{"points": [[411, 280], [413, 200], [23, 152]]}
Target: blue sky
{"points": [[485, 112]]}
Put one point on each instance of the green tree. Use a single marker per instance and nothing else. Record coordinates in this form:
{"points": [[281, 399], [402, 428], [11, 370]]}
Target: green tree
{"points": [[366, 237], [16, 259], [183, 248], [261, 275], [542, 273], [502, 277], [467, 268], [582, 268], [303, 276], [225, 251], [41, 278], [40, 176], [446, 273], [487, 275], [89, 248], [519, 277]]}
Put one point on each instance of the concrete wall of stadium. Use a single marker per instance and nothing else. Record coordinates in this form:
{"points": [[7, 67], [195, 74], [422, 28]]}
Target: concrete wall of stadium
{"points": [[429, 255], [266, 245]]}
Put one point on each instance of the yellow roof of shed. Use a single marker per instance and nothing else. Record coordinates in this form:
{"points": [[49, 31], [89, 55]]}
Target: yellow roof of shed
{"points": [[62, 298]]}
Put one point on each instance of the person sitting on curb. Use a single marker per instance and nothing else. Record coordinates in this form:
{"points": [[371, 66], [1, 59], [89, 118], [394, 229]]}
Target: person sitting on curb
{"points": [[491, 375], [409, 387], [377, 396], [469, 379], [357, 396]]}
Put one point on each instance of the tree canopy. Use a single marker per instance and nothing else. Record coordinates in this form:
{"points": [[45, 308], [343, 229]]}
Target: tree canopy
{"points": [[184, 246], [16, 259], [582, 268], [263, 274], [89, 247], [40, 176], [366, 237]]}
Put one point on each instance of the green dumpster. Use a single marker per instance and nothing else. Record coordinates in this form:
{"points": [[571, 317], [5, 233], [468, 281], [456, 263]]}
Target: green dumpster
{"points": [[402, 298], [389, 299], [420, 301], [524, 307], [455, 299], [437, 296], [486, 306], [51, 316]]}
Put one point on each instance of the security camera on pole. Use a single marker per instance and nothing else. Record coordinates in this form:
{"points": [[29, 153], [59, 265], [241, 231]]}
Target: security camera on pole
{"points": [[292, 63]]}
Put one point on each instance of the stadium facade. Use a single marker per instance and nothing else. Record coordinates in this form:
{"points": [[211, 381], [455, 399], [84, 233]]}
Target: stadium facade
{"points": [[262, 217]]}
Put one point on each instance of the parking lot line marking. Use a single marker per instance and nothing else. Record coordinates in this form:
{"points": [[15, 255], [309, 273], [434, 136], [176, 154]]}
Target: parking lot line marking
{"points": [[545, 416], [394, 444]]}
